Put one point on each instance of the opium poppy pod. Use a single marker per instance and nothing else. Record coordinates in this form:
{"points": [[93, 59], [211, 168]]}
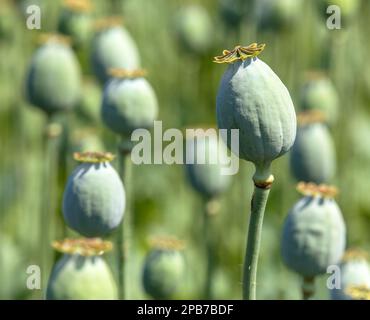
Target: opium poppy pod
{"points": [[313, 157], [319, 93], [53, 81], [164, 269], [112, 47], [129, 102], [233, 11], [81, 273], [194, 28], [354, 271], [277, 15], [94, 198], [75, 21], [314, 233], [252, 98], [205, 175]]}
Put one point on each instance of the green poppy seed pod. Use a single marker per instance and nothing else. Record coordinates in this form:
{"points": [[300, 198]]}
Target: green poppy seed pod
{"points": [[206, 176], [354, 271], [252, 98], [112, 47], [129, 102], [233, 11], [76, 22], [163, 269], [314, 232], [94, 198], [313, 157], [53, 81], [88, 108], [194, 29], [277, 15], [81, 273], [319, 93]]}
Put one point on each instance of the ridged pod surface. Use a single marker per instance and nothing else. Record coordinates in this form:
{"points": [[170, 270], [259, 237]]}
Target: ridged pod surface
{"points": [[314, 236], [277, 15], [207, 177], [75, 277], [163, 272], [94, 199], [252, 98], [313, 157], [113, 48], [194, 28], [128, 104], [354, 271], [53, 81], [320, 94]]}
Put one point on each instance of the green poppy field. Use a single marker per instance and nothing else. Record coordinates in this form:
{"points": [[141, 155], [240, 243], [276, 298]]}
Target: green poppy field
{"points": [[81, 81]]}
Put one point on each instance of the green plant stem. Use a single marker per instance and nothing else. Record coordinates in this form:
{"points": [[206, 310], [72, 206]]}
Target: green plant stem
{"points": [[258, 205], [49, 195], [210, 213], [124, 232]]}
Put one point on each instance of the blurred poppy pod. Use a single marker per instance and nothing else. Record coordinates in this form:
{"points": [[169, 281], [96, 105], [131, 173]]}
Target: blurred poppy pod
{"points": [[354, 271], [112, 47], [234, 11], [206, 176], [76, 22], [81, 273], [314, 233], [194, 29], [53, 81], [252, 98], [129, 102], [319, 93], [85, 140], [164, 268], [94, 198], [277, 15], [313, 157]]}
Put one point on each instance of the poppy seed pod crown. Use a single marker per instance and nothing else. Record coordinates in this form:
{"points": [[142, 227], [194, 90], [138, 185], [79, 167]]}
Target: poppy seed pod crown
{"points": [[252, 98]]}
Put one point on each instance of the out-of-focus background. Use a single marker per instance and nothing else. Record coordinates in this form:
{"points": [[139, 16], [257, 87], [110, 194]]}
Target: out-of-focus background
{"points": [[186, 81]]}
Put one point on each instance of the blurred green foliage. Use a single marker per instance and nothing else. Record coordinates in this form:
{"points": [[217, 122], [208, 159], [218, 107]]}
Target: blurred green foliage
{"points": [[186, 84]]}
